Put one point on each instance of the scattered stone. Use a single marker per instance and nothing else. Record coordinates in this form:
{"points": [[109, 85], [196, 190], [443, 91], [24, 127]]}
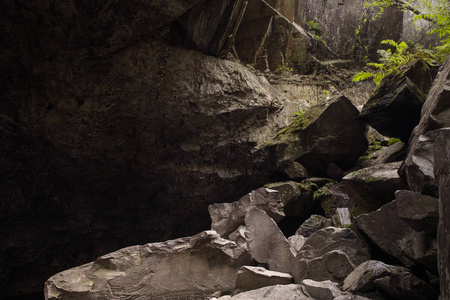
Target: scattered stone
{"points": [[421, 249], [374, 186], [252, 278], [297, 241], [323, 290], [362, 278], [238, 236], [420, 212], [342, 218], [394, 108], [391, 153], [314, 223], [266, 242], [183, 267], [442, 171], [296, 172], [274, 292], [227, 217], [404, 285]]}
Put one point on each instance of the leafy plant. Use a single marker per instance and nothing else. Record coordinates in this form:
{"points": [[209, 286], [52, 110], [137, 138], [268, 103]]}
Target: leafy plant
{"points": [[286, 68], [299, 112], [395, 62]]}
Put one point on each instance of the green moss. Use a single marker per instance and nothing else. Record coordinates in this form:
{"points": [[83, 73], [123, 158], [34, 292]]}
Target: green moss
{"points": [[321, 193], [392, 141], [308, 186], [359, 209]]}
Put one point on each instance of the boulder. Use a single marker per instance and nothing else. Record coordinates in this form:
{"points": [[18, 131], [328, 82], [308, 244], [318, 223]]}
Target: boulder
{"points": [[238, 236], [275, 292], [315, 139], [330, 254], [435, 114], [404, 285], [252, 278], [420, 212], [442, 172], [312, 224], [334, 265], [388, 154], [374, 186], [363, 276], [227, 217], [297, 241], [419, 164], [394, 108], [266, 243], [385, 228], [187, 267], [323, 290]]}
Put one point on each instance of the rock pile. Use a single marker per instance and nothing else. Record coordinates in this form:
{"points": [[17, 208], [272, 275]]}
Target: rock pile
{"points": [[364, 237]]}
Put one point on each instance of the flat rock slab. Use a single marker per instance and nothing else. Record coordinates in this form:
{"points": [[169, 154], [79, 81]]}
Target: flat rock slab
{"points": [[227, 217], [252, 278], [187, 267], [374, 186], [275, 292], [266, 243], [323, 290]]}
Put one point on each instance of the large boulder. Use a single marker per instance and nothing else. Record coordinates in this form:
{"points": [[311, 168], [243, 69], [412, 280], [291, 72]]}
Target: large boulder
{"points": [[420, 212], [328, 132], [312, 224], [394, 108], [330, 254], [385, 229], [417, 168], [374, 186], [266, 243], [187, 267], [323, 290], [227, 217], [442, 171]]}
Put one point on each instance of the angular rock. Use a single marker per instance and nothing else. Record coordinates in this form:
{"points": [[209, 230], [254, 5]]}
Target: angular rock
{"points": [[330, 254], [297, 198], [266, 243], [394, 108], [374, 186], [342, 218], [392, 153], [333, 196], [334, 265], [435, 114], [296, 172], [297, 241], [252, 278], [363, 276], [316, 139], [227, 217], [334, 172], [442, 171], [275, 292], [404, 285], [323, 290], [418, 166], [314, 223], [420, 212], [187, 267], [395, 237], [238, 236]]}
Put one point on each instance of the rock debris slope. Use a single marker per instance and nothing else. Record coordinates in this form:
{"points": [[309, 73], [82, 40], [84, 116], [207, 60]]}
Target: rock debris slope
{"points": [[122, 121], [389, 249]]}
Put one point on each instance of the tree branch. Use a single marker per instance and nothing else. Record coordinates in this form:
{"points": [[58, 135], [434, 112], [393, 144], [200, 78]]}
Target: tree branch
{"points": [[408, 6]]}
